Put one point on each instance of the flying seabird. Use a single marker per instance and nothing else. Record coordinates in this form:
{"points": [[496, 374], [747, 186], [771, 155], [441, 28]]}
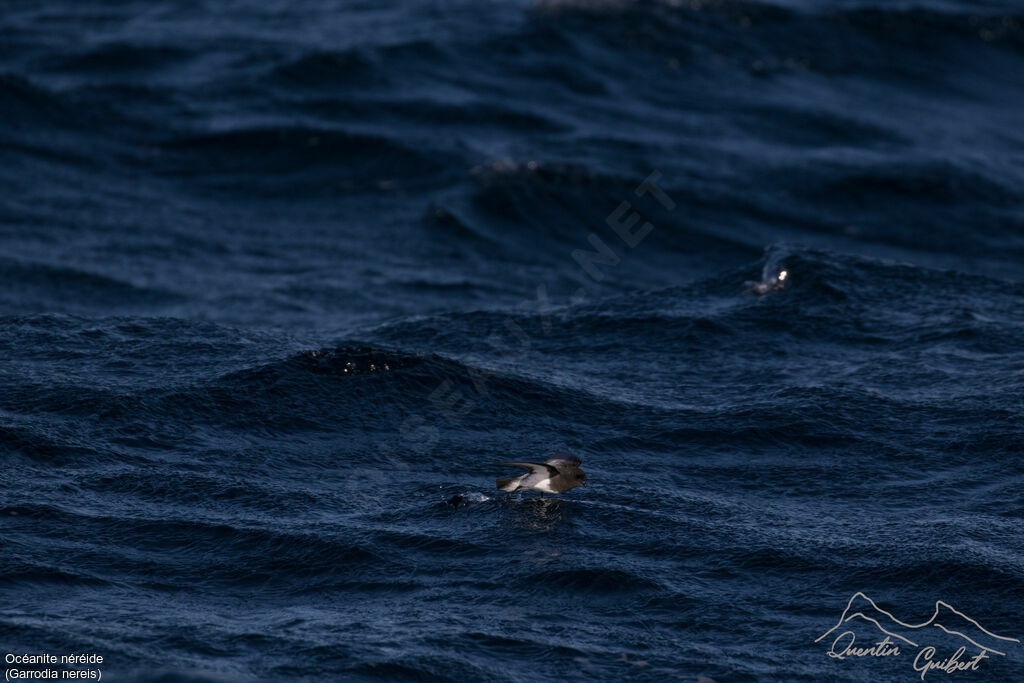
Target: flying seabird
{"points": [[557, 475]]}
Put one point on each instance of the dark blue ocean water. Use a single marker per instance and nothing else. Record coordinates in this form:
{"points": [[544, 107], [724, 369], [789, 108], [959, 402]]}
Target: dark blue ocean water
{"points": [[279, 280]]}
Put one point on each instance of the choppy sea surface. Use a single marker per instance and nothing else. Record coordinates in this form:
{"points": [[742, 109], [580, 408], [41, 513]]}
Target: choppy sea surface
{"points": [[279, 281]]}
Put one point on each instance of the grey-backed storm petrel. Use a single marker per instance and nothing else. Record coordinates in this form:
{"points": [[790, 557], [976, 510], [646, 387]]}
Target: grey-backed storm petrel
{"points": [[557, 475]]}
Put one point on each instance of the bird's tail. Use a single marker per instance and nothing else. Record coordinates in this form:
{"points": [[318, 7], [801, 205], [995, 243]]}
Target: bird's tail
{"points": [[508, 484]]}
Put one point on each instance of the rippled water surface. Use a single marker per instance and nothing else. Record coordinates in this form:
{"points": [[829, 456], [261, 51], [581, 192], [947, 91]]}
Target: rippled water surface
{"points": [[280, 280]]}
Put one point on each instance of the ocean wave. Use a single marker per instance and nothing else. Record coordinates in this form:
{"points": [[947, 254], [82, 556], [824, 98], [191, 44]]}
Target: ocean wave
{"points": [[281, 161], [27, 281], [281, 283]]}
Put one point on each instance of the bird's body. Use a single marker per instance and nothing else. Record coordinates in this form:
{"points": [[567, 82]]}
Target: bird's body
{"points": [[557, 475]]}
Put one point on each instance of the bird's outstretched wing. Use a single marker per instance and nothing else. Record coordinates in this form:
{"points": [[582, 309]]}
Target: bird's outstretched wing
{"points": [[535, 467], [565, 460]]}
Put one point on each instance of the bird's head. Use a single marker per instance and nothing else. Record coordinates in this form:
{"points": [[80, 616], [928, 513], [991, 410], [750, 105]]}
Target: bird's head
{"points": [[581, 478]]}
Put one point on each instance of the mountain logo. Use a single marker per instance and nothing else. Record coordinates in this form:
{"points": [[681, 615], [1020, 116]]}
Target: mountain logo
{"points": [[946, 625]]}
